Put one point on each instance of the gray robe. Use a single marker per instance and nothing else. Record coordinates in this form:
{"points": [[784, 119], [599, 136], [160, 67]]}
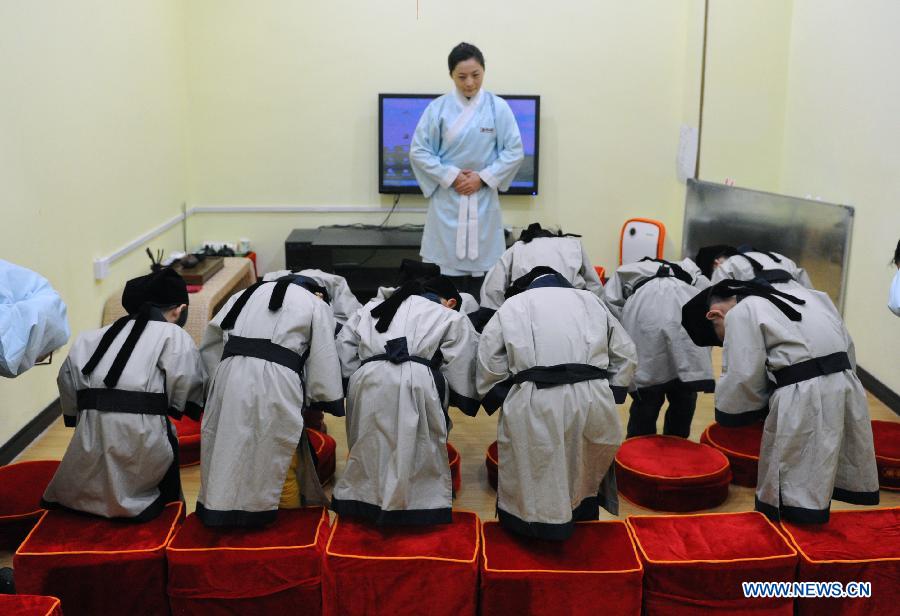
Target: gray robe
{"points": [[739, 268], [343, 302], [817, 442], [566, 255], [555, 444], [124, 464], [652, 317], [253, 424], [397, 423]]}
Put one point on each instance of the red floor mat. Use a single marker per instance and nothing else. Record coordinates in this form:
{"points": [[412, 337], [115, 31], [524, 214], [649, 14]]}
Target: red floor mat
{"points": [[98, 566], [326, 453], [597, 566], [491, 461], [695, 564], [667, 473], [887, 453], [188, 432], [431, 570], [29, 605], [271, 570], [740, 446], [855, 546], [21, 487]]}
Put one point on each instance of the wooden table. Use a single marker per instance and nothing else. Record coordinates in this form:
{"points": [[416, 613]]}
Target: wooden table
{"points": [[236, 275]]}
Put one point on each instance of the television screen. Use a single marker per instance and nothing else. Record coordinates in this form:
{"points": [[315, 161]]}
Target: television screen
{"points": [[398, 115]]}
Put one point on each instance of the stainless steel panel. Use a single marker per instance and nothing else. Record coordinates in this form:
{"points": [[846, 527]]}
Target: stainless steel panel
{"points": [[814, 234]]}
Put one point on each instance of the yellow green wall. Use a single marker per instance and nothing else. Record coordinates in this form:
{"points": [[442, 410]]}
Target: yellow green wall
{"points": [[746, 92], [284, 106], [92, 155], [114, 114], [842, 130]]}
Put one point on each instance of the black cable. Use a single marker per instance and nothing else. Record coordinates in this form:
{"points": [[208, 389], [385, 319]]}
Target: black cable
{"points": [[393, 207]]}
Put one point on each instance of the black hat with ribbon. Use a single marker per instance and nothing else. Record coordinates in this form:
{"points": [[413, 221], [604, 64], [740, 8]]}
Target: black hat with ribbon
{"points": [[162, 288], [700, 329]]}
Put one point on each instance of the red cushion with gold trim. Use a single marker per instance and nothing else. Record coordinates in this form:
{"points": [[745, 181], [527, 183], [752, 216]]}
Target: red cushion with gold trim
{"points": [[667, 473], [188, 432], [271, 570], [455, 463], [429, 570], [855, 546], [98, 566], [21, 487], [740, 446], [29, 605], [598, 566], [694, 564], [887, 453], [491, 461], [326, 453]]}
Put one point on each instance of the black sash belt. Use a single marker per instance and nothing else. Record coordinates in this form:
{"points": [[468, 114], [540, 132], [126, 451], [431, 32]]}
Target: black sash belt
{"points": [[267, 350], [812, 368], [396, 352], [122, 401], [413, 358], [561, 374], [776, 275]]}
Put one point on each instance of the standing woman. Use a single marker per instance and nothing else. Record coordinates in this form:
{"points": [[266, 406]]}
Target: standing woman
{"points": [[466, 147]]}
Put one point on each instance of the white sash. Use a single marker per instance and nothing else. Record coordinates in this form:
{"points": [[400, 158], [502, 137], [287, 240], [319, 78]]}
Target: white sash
{"points": [[467, 220], [467, 227]]}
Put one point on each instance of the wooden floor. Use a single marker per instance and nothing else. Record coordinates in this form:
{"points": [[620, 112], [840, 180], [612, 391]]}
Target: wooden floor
{"points": [[471, 437]]}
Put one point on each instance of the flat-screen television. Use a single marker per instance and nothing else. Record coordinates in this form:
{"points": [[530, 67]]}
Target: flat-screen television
{"points": [[398, 115]]}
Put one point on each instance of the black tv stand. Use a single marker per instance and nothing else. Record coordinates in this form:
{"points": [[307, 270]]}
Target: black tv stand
{"points": [[368, 257]]}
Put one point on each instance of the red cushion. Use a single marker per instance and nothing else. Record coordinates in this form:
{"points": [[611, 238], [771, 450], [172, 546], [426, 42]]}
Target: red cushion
{"points": [[855, 546], [667, 473], [21, 487], [887, 453], [492, 464], [740, 446], [188, 432], [30, 605], [696, 563], [598, 566], [208, 567], [80, 558], [455, 463], [326, 453], [402, 569]]}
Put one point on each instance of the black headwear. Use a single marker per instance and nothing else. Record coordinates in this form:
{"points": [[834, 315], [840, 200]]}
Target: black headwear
{"points": [[707, 255], [441, 286], [411, 269], [163, 287], [535, 230], [700, 329], [523, 282], [309, 284]]}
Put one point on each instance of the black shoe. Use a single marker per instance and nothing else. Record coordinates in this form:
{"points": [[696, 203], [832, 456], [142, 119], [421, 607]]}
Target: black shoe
{"points": [[7, 587]]}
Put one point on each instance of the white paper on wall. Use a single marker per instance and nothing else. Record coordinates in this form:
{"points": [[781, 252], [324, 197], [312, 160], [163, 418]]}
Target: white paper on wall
{"points": [[686, 161]]}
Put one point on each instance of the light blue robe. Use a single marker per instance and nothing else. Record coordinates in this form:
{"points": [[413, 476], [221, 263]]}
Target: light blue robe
{"points": [[32, 319], [465, 235]]}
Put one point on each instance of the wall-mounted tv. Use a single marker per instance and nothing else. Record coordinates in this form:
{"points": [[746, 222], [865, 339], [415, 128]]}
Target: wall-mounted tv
{"points": [[398, 115]]}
